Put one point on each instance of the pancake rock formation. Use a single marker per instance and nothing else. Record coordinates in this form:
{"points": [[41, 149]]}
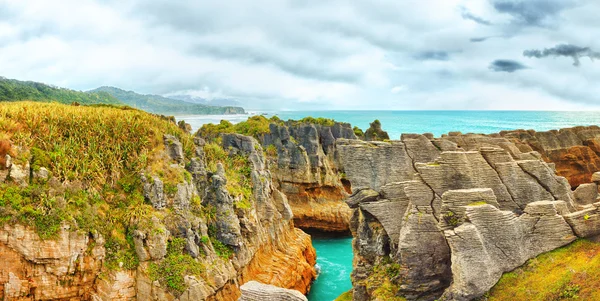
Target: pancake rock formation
{"points": [[445, 217], [304, 165], [256, 291]]}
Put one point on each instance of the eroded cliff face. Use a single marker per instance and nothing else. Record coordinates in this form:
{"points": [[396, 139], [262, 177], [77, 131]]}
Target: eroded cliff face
{"points": [[575, 151], [304, 164], [450, 215], [228, 240]]}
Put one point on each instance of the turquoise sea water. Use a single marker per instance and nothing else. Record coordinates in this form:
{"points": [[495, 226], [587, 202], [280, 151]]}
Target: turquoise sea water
{"points": [[436, 122], [334, 255], [334, 259]]}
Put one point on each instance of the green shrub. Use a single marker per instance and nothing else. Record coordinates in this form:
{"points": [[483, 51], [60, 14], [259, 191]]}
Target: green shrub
{"points": [[171, 271]]}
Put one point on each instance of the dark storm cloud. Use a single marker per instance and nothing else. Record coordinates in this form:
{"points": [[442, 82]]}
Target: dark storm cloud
{"points": [[467, 15], [567, 50], [506, 66], [433, 55], [480, 39], [532, 12]]}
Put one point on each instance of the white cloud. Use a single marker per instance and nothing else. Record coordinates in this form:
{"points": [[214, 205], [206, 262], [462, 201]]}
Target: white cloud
{"points": [[315, 54], [398, 89]]}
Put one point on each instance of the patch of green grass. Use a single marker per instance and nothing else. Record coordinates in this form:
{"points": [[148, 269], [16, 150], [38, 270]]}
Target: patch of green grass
{"points": [[567, 273], [237, 172], [347, 296], [477, 203], [384, 281], [121, 253], [171, 271]]}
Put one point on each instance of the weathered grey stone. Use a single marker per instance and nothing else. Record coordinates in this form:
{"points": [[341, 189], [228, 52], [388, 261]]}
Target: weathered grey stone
{"points": [[374, 164], [364, 195], [586, 222], [494, 242], [387, 213], [19, 174], [586, 194], [558, 186], [464, 170], [42, 174], [154, 192], [226, 221], [174, 148], [596, 177], [455, 203], [522, 186], [420, 149], [424, 255], [256, 291]]}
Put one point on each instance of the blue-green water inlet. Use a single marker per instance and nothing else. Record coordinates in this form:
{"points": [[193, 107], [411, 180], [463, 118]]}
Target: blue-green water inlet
{"points": [[334, 259]]}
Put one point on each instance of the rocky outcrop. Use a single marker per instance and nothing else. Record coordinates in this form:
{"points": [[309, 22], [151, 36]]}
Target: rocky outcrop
{"points": [[193, 208], [472, 208], [304, 166], [492, 242], [36, 269], [256, 291], [575, 151], [375, 132]]}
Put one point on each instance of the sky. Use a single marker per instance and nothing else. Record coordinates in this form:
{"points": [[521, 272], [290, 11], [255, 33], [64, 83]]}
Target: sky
{"points": [[316, 55]]}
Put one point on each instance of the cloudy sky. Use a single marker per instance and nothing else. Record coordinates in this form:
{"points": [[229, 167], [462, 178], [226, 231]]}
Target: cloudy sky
{"points": [[307, 54]]}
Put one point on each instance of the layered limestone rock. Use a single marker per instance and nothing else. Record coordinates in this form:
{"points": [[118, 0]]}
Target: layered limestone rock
{"points": [[199, 211], [472, 207], [491, 242], [256, 291], [575, 151], [36, 269], [304, 167]]}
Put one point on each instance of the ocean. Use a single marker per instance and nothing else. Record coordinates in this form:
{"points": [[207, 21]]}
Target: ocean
{"points": [[334, 255], [436, 122]]}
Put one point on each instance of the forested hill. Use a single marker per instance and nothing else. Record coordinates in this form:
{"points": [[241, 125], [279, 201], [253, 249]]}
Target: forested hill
{"points": [[163, 105], [15, 90]]}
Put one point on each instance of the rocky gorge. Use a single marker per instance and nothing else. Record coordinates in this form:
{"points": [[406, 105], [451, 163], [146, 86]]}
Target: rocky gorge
{"points": [[218, 215]]}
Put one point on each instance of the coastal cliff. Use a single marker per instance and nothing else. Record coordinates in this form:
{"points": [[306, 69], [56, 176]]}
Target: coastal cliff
{"points": [[304, 166], [90, 212], [472, 207]]}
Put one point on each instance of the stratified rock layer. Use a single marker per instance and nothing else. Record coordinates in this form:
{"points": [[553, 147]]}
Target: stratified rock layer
{"points": [[304, 167], [265, 245], [472, 207], [256, 291]]}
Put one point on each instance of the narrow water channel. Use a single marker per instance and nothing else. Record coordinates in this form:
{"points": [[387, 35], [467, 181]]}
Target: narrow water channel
{"points": [[334, 258]]}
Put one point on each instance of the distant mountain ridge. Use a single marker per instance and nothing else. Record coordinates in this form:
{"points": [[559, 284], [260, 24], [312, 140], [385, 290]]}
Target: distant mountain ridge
{"points": [[16, 90], [208, 102], [163, 105]]}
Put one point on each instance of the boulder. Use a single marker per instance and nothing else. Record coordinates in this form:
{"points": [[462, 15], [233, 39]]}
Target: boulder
{"points": [[174, 148], [364, 195], [256, 291], [586, 194]]}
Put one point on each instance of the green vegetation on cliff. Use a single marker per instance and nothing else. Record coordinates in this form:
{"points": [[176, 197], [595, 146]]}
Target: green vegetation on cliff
{"points": [[161, 105], [94, 156], [567, 273], [255, 126], [14, 90]]}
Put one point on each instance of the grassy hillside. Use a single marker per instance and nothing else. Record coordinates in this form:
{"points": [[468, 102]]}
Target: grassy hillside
{"points": [[14, 90], [568, 273], [162, 105], [94, 156]]}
